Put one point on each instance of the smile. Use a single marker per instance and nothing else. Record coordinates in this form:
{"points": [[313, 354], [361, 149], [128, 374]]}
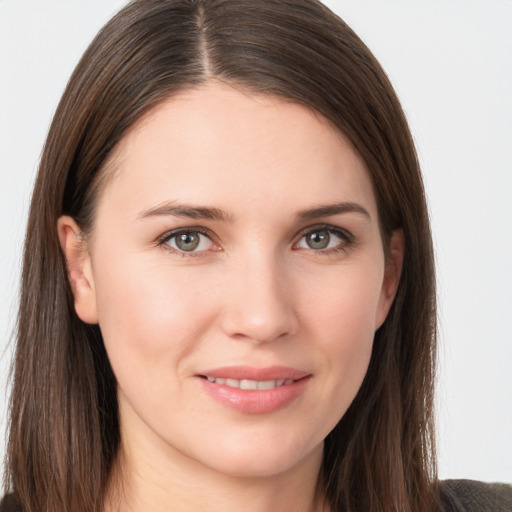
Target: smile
{"points": [[251, 390], [250, 384]]}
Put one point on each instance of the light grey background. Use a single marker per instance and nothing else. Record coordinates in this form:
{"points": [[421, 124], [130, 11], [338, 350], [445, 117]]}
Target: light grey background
{"points": [[451, 63]]}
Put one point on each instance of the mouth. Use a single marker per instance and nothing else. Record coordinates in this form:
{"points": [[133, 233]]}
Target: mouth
{"points": [[253, 378], [253, 390]]}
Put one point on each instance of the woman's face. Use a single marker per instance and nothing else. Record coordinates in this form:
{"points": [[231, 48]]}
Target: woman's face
{"points": [[236, 245]]}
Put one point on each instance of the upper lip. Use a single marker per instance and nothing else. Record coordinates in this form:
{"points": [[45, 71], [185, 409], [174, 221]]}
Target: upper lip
{"points": [[254, 373]]}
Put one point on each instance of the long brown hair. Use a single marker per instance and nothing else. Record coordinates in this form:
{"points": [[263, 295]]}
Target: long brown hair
{"points": [[64, 426]]}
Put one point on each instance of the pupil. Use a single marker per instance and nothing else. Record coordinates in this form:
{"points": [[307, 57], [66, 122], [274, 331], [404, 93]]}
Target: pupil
{"points": [[187, 241], [318, 240]]}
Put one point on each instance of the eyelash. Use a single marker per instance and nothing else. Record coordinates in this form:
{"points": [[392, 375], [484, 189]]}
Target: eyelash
{"points": [[347, 239], [164, 240]]}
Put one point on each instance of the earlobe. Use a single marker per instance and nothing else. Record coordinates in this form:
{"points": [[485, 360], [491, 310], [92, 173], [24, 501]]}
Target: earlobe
{"points": [[79, 267], [392, 274]]}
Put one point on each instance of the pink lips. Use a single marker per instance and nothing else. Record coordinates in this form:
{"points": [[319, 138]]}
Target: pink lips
{"points": [[289, 385]]}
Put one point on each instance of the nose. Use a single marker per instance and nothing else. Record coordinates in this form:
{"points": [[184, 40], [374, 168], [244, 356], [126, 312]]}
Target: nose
{"points": [[258, 302]]}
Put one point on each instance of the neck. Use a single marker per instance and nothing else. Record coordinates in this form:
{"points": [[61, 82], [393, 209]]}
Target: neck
{"points": [[157, 480]]}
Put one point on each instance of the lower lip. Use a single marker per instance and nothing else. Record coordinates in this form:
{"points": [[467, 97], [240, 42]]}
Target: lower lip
{"points": [[256, 401]]}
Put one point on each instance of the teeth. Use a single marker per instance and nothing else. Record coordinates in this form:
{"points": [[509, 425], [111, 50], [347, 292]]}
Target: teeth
{"points": [[250, 384]]}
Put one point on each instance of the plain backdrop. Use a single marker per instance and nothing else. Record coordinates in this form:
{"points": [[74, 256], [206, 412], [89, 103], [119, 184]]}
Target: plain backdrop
{"points": [[451, 64]]}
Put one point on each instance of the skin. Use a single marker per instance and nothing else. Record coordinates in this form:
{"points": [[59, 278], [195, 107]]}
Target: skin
{"points": [[253, 293]]}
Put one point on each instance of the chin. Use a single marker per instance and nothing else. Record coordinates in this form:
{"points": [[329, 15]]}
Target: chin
{"points": [[261, 459]]}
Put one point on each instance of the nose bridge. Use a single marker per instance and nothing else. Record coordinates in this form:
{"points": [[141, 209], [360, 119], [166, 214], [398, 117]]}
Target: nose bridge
{"points": [[259, 303]]}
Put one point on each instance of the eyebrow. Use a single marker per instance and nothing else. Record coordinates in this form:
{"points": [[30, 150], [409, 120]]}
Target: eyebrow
{"points": [[188, 211], [332, 209], [210, 213]]}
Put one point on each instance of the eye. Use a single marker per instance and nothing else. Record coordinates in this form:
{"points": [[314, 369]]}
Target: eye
{"points": [[324, 238], [187, 241]]}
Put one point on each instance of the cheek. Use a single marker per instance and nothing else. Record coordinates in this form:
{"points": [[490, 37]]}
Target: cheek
{"points": [[345, 303], [343, 320], [150, 319]]}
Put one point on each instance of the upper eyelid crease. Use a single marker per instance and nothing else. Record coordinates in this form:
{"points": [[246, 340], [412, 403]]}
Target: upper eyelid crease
{"points": [[342, 233], [302, 233], [175, 232]]}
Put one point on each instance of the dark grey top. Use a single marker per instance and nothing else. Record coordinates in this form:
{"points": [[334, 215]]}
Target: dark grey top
{"points": [[474, 496]]}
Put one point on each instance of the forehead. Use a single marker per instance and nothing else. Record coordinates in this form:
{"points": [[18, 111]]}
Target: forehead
{"points": [[216, 144]]}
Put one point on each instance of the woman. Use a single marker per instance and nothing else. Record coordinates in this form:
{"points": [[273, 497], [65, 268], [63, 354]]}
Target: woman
{"points": [[235, 300]]}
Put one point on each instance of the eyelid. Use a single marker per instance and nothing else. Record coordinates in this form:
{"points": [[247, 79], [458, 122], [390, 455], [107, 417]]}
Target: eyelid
{"points": [[163, 240], [342, 233], [173, 232]]}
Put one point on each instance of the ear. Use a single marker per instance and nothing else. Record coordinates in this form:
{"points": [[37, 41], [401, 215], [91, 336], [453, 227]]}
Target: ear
{"points": [[79, 266], [392, 273]]}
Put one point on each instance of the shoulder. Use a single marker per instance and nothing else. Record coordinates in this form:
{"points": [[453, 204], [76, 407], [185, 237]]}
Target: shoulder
{"points": [[9, 504], [474, 496]]}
